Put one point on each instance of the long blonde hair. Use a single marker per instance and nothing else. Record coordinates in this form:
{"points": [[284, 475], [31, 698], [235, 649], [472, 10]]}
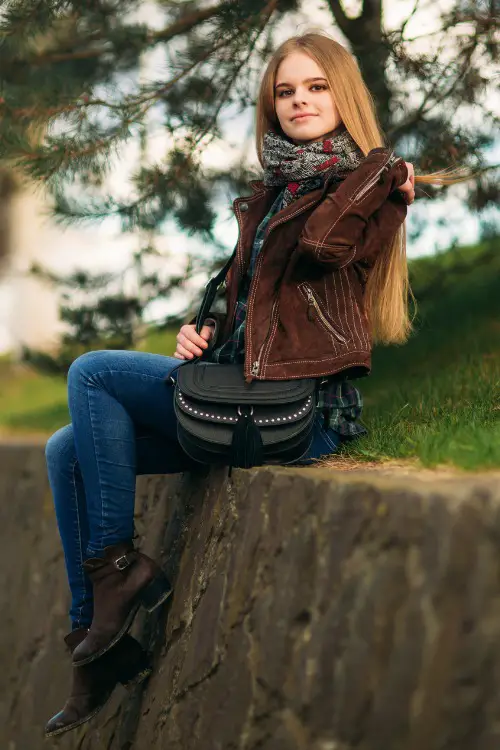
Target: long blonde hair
{"points": [[387, 290]]}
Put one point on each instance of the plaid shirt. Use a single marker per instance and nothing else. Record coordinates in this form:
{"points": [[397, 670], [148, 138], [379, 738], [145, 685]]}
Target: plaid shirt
{"points": [[340, 400]]}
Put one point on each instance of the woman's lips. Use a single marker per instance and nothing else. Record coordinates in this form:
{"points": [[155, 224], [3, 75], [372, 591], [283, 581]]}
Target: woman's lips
{"points": [[297, 118]]}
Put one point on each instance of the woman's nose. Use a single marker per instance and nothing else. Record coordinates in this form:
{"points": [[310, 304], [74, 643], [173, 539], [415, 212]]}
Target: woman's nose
{"points": [[300, 97]]}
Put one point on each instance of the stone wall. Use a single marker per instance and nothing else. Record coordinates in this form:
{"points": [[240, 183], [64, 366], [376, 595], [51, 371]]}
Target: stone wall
{"points": [[312, 610]]}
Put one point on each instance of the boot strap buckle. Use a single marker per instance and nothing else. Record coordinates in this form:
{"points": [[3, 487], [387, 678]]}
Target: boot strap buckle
{"points": [[122, 562]]}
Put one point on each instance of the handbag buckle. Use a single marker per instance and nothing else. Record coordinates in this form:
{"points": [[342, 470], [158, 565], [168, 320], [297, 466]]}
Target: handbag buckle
{"points": [[239, 410]]}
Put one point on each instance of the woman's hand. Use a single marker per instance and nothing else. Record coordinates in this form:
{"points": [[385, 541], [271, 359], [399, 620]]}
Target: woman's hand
{"points": [[190, 344], [408, 188]]}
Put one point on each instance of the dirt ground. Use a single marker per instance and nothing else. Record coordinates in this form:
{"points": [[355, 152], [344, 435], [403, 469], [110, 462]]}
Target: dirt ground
{"points": [[410, 468]]}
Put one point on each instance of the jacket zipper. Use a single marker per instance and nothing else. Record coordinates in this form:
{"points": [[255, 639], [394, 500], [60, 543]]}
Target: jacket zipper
{"points": [[313, 302], [255, 367], [373, 179]]}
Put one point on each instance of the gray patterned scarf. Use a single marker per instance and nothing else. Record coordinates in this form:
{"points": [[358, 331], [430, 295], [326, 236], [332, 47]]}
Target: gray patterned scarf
{"points": [[302, 167]]}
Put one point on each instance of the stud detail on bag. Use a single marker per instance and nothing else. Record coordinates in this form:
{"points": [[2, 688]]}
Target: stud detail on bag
{"points": [[234, 419], [204, 414]]}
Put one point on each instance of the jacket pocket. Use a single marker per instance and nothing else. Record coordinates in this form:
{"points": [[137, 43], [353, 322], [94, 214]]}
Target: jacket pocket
{"points": [[315, 311]]}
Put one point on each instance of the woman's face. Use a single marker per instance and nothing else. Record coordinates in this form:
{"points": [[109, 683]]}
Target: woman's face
{"points": [[295, 93]]}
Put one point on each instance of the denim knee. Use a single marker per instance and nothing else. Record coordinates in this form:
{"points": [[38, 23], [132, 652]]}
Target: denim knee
{"points": [[86, 365], [60, 448]]}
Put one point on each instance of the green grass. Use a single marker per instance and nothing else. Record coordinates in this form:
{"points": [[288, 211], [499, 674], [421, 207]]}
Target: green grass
{"points": [[438, 397], [435, 399], [35, 403]]}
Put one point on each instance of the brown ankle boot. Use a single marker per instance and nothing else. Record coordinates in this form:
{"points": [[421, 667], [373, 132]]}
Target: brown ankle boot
{"points": [[93, 684], [123, 580]]}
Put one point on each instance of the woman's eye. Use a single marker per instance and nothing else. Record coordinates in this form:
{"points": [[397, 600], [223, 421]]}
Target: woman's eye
{"points": [[315, 85]]}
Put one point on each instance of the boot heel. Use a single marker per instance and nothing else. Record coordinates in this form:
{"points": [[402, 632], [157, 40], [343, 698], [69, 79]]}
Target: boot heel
{"points": [[156, 592], [141, 671], [132, 663]]}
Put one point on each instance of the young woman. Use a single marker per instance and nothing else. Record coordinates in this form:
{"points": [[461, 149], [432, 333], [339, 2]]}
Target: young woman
{"points": [[320, 272]]}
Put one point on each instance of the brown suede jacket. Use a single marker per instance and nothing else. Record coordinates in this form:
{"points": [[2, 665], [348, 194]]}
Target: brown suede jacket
{"points": [[305, 311]]}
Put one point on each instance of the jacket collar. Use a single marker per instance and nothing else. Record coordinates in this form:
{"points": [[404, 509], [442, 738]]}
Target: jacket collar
{"points": [[257, 186], [297, 206]]}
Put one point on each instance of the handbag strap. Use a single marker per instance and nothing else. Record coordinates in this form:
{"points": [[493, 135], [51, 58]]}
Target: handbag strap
{"points": [[206, 304], [210, 292]]}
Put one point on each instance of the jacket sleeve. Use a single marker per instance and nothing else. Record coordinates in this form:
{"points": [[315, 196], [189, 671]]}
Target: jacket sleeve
{"points": [[380, 229], [362, 214]]}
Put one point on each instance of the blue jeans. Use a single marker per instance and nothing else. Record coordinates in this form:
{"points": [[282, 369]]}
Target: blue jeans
{"points": [[122, 424]]}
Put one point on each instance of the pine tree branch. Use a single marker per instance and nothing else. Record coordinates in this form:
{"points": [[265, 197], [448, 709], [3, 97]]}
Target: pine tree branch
{"points": [[144, 102], [35, 113], [181, 26], [151, 98], [50, 59], [53, 160], [488, 168], [187, 23], [230, 82], [433, 96]]}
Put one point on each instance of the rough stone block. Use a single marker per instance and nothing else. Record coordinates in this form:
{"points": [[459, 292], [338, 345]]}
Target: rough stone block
{"points": [[312, 610]]}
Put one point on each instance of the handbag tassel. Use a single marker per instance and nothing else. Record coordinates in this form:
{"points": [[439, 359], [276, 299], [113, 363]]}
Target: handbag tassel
{"points": [[247, 449]]}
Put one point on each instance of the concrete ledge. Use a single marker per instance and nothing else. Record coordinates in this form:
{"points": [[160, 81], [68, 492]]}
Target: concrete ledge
{"points": [[313, 610]]}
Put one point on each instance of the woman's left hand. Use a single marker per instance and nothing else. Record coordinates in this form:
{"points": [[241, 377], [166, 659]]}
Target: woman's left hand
{"points": [[408, 188]]}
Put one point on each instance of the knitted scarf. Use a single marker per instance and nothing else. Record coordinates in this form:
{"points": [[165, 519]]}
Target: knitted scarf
{"points": [[302, 167]]}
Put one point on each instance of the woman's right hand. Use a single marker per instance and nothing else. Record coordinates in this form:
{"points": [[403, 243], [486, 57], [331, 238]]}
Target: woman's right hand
{"points": [[408, 189], [190, 344]]}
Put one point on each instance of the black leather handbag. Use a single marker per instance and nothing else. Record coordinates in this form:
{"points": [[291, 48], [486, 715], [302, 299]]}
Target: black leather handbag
{"points": [[222, 419]]}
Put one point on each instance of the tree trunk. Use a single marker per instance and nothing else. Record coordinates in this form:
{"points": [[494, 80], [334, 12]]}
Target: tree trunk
{"points": [[365, 37]]}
